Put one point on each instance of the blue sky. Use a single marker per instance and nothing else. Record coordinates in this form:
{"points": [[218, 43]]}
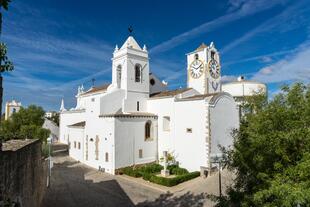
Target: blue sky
{"points": [[57, 45]]}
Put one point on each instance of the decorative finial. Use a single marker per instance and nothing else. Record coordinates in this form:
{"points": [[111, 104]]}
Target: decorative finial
{"points": [[212, 44], [116, 48], [130, 29], [144, 48], [62, 106]]}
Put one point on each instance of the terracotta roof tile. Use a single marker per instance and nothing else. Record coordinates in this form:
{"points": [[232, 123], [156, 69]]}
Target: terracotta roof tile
{"points": [[97, 89], [200, 96], [169, 93], [201, 47], [129, 115], [79, 124]]}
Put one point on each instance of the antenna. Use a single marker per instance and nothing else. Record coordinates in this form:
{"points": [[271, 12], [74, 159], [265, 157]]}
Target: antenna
{"points": [[93, 81]]}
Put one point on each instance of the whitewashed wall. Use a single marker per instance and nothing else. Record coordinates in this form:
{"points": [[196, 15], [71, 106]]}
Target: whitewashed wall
{"points": [[76, 135], [68, 118], [191, 148], [164, 107], [129, 138], [224, 117]]}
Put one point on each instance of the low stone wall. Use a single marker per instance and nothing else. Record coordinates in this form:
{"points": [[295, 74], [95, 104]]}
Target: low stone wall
{"points": [[23, 173]]}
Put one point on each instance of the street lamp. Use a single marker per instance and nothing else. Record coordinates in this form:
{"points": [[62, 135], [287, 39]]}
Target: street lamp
{"points": [[218, 159], [49, 141]]}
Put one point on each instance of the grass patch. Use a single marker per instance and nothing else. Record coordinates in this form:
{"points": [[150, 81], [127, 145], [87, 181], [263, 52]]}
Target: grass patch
{"points": [[149, 172]]}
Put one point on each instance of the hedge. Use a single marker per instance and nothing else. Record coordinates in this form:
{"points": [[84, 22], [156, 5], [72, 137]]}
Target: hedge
{"points": [[139, 171], [176, 170], [170, 181], [131, 172]]}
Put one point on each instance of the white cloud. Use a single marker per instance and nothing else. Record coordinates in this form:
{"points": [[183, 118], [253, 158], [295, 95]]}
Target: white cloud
{"points": [[245, 8], [266, 59], [228, 78], [283, 22], [294, 67]]}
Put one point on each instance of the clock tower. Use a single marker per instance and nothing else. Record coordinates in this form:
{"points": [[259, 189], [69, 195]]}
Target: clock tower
{"points": [[204, 70]]}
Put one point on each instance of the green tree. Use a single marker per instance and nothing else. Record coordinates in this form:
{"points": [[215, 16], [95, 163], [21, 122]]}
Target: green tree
{"points": [[25, 124], [5, 64], [271, 153]]}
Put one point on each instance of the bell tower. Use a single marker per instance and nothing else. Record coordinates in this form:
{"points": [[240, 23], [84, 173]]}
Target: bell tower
{"points": [[130, 72], [204, 70]]}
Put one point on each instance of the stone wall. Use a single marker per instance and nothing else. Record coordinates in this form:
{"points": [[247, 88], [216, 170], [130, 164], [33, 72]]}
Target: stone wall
{"points": [[23, 172]]}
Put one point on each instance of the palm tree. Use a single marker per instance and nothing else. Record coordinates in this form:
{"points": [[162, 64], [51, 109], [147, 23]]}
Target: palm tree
{"points": [[5, 64]]}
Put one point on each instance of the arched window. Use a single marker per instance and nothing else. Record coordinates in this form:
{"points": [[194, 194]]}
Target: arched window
{"points": [[119, 75], [138, 73], [148, 131]]}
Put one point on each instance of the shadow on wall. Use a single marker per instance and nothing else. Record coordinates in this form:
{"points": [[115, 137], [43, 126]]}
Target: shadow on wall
{"points": [[186, 200]]}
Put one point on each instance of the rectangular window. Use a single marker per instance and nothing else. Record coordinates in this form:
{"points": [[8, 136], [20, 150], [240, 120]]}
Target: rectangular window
{"points": [[93, 100], [97, 147], [79, 145], [74, 144], [166, 123], [138, 106], [107, 157], [212, 55], [86, 151], [140, 153], [189, 130]]}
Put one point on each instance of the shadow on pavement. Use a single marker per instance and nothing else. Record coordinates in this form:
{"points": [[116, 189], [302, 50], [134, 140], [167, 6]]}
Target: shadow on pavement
{"points": [[69, 188], [186, 200]]}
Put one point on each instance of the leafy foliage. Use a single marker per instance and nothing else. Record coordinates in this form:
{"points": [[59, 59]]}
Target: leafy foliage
{"points": [[6, 64], [5, 4], [27, 123], [271, 152], [149, 172], [166, 181]]}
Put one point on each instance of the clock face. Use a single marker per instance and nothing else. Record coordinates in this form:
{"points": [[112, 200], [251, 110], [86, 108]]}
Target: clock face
{"points": [[214, 69], [196, 68]]}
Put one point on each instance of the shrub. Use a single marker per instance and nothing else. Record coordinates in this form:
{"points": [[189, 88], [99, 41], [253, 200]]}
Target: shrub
{"points": [[150, 168], [176, 170], [171, 181], [131, 172]]}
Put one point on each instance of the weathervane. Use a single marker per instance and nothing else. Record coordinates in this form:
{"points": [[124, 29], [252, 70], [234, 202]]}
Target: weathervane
{"points": [[130, 29]]}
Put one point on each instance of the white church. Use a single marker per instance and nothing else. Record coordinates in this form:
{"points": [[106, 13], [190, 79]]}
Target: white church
{"points": [[136, 118]]}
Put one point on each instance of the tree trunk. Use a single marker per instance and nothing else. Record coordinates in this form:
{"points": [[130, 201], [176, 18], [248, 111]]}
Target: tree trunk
{"points": [[1, 97]]}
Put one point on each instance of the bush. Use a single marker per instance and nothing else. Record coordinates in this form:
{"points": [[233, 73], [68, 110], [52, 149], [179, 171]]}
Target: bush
{"points": [[171, 181], [150, 168], [131, 172], [140, 171], [176, 170]]}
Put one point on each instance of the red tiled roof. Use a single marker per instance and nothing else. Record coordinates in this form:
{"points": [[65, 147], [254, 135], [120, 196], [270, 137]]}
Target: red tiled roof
{"points": [[130, 115], [97, 89], [79, 124], [169, 93]]}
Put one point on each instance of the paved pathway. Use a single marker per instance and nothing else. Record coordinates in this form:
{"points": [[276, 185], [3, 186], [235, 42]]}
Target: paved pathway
{"points": [[74, 184]]}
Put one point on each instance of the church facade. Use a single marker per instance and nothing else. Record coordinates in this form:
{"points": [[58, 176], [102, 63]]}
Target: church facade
{"points": [[136, 118]]}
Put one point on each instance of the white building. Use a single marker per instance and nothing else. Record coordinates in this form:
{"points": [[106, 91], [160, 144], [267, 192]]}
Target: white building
{"points": [[50, 114], [241, 89], [135, 118], [11, 107]]}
